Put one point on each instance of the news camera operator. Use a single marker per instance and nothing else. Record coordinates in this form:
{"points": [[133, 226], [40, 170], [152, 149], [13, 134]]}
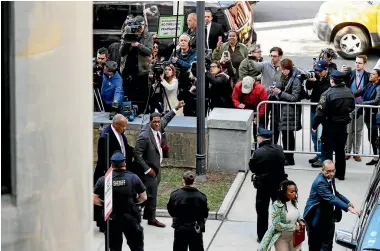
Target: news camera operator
{"points": [[182, 59], [328, 55], [318, 84], [112, 88], [135, 51]]}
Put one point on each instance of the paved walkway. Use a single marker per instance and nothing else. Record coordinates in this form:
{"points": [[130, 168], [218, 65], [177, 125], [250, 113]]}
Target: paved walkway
{"points": [[238, 231]]}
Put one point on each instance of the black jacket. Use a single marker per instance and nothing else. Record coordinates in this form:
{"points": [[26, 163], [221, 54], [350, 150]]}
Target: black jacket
{"points": [[318, 87], [216, 30], [267, 163], [187, 205], [334, 107], [220, 91]]}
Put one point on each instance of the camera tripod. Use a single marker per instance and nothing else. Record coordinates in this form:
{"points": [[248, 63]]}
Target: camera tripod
{"points": [[157, 83], [99, 100]]}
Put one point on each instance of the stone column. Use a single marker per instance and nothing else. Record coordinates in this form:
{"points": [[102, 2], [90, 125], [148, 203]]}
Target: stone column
{"points": [[50, 207], [229, 147]]}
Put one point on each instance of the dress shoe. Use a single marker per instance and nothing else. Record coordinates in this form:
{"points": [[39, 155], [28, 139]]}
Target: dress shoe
{"points": [[311, 161], [348, 157], [318, 163], [156, 223], [372, 162], [357, 158]]}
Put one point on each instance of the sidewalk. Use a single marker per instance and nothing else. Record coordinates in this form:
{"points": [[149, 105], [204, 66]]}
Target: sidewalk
{"points": [[238, 231]]}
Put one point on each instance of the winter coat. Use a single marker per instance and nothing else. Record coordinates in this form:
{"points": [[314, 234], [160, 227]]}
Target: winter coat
{"points": [[290, 117], [252, 99]]}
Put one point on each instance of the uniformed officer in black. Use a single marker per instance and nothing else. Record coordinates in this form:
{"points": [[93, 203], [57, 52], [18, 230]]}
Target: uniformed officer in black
{"points": [[189, 209], [128, 191], [268, 167], [333, 112]]}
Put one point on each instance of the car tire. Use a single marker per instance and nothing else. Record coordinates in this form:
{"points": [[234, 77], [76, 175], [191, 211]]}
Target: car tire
{"points": [[351, 41]]}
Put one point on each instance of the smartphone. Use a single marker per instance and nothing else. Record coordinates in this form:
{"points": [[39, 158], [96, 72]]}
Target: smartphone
{"points": [[208, 51], [226, 54], [220, 39], [314, 59]]}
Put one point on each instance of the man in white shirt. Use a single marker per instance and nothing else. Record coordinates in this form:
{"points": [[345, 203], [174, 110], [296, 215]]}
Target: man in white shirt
{"points": [[214, 31], [148, 154]]}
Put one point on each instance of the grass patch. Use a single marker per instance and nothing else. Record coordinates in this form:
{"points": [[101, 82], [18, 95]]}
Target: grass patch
{"points": [[216, 186]]}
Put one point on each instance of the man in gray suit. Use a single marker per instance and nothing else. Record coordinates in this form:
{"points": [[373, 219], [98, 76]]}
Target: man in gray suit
{"points": [[148, 154]]}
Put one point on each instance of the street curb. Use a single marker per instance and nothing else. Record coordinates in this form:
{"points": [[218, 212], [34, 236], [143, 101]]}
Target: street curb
{"points": [[226, 204]]}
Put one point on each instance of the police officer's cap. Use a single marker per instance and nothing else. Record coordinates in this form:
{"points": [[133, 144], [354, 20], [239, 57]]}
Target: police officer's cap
{"points": [[111, 66], [117, 158], [264, 133], [338, 75]]}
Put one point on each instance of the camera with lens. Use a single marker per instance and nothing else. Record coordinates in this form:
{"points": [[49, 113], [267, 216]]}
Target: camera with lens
{"points": [[208, 61], [97, 73], [159, 67], [130, 30], [115, 109], [304, 75]]}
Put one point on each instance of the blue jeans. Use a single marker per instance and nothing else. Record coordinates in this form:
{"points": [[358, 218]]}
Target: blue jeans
{"points": [[314, 137]]}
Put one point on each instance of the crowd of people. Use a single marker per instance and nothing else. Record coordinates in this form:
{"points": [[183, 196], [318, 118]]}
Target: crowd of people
{"points": [[158, 77]]}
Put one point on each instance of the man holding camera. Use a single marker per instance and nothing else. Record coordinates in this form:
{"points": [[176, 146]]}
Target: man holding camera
{"points": [[135, 50], [112, 87], [246, 68], [318, 85], [97, 77]]}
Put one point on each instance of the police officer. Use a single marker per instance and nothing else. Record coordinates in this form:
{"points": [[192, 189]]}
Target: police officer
{"points": [[128, 191], [189, 209], [333, 112], [267, 165]]}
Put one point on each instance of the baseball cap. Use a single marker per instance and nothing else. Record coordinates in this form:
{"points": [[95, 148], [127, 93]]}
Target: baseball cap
{"points": [[247, 84], [321, 65]]}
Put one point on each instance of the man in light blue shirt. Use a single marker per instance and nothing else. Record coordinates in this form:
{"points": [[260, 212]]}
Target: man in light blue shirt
{"points": [[357, 81]]}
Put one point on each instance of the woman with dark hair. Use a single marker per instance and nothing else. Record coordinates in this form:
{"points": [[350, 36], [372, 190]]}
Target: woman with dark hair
{"points": [[231, 51], [371, 96], [288, 88], [285, 220], [220, 87]]}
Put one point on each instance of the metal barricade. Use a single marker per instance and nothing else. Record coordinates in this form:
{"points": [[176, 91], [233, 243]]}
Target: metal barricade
{"points": [[303, 142]]}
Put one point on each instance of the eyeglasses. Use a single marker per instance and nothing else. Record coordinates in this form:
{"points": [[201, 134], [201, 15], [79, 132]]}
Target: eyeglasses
{"points": [[273, 56], [155, 46]]}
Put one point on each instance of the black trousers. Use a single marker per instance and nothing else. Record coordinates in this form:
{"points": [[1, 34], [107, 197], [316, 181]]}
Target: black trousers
{"points": [[373, 133], [263, 197], [334, 140], [288, 142], [272, 112], [129, 226], [186, 237], [320, 238]]}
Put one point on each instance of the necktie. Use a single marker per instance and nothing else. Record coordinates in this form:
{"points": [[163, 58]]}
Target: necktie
{"points": [[358, 99], [159, 138], [122, 144]]}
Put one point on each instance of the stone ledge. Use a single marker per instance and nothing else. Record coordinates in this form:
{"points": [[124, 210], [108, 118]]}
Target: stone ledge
{"points": [[230, 119], [230, 197], [179, 124]]}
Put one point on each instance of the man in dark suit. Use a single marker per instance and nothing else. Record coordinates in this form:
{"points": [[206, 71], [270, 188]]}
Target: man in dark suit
{"points": [[148, 154], [213, 31], [117, 142], [356, 80], [267, 165], [323, 208]]}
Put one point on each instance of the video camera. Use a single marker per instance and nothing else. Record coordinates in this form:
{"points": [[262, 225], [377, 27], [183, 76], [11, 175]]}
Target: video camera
{"points": [[115, 109], [129, 110], [159, 67], [97, 73], [304, 75], [131, 28]]}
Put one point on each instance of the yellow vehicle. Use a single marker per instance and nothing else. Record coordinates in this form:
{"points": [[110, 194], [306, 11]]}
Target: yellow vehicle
{"points": [[353, 27]]}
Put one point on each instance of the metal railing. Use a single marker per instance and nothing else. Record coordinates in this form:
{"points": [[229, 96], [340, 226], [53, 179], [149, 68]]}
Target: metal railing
{"points": [[301, 111]]}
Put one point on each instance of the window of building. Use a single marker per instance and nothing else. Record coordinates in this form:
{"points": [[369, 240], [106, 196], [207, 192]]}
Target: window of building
{"points": [[7, 59]]}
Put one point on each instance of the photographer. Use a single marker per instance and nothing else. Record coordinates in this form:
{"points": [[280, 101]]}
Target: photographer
{"points": [[97, 75], [328, 55], [182, 59], [135, 50], [112, 86], [318, 85], [220, 87], [246, 68]]}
